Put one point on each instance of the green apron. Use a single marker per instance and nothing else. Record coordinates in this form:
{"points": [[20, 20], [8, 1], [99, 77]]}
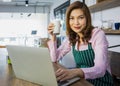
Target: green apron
{"points": [[85, 59]]}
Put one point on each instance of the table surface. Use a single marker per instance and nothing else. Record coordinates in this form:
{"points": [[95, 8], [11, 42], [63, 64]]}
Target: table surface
{"points": [[10, 80]]}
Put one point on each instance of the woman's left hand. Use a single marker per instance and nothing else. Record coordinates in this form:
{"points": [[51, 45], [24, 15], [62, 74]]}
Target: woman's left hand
{"points": [[64, 74]]}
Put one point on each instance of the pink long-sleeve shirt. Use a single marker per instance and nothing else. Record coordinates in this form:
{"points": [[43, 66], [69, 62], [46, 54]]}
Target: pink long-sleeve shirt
{"points": [[100, 47]]}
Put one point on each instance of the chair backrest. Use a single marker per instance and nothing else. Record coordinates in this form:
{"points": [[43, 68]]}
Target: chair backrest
{"points": [[115, 63]]}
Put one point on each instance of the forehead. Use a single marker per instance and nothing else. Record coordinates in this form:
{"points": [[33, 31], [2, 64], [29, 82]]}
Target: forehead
{"points": [[76, 12]]}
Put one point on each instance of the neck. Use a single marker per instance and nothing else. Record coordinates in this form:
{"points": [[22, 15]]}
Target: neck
{"points": [[81, 36]]}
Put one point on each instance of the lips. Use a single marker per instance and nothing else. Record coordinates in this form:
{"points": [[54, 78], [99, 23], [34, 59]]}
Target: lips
{"points": [[77, 28]]}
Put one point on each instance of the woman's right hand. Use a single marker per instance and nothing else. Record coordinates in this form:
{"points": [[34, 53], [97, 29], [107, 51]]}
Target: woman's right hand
{"points": [[50, 30]]}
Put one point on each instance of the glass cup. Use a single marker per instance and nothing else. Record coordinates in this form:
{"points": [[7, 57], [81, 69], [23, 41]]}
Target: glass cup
{"points": [[57, 27]]}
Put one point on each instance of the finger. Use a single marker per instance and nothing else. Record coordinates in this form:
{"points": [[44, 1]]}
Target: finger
{"points": [[64, 78], [58, 72], [50, 31], [51, 25], [61, 77], [50, 28]]}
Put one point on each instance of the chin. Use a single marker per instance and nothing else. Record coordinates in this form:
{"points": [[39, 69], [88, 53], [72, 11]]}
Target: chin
{"points": [[80, 31]]}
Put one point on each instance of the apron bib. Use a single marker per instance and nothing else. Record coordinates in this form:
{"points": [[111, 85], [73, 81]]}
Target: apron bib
{"points": [[85, 59]]}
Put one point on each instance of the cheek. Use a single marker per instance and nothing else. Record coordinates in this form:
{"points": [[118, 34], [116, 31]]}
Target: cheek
{"points": [[84, 23], [70, 23]]}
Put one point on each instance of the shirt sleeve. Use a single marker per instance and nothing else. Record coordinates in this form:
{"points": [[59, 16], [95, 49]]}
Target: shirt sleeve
{"points": [[100, 47], [58, 53]]}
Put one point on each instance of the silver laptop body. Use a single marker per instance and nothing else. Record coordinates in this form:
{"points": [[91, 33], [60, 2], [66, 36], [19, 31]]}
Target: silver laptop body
{"points": [[32, 64]]}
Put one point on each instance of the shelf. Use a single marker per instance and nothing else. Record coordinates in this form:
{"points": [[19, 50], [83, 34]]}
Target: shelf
{"points": [[112, 32], [107, 4]]}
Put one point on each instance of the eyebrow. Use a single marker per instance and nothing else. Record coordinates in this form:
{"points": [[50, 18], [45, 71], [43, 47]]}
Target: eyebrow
{"points": [[78, 16]]}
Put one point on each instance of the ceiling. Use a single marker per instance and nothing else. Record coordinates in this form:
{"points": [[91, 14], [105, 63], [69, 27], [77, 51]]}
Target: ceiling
{"points": [[30, 2], [6, 7]]}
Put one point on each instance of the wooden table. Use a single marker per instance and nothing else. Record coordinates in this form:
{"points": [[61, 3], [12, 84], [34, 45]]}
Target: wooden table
{"points": [[2, 46], [9, 79]]}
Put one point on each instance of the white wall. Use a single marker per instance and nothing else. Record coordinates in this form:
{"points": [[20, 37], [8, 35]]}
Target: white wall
{"points": [[23, 25], [16, 11], [23, 9]]}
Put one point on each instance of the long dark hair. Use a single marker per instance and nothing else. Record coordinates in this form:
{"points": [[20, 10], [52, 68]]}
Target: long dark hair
{"points": [[87, 31]]}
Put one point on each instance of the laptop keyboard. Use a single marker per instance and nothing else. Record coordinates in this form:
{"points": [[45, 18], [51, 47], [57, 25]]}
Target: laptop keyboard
{"points": [[62, 83], [68, 82]]}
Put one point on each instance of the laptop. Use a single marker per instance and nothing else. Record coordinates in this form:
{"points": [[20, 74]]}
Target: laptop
{"points": [[34, 64]]}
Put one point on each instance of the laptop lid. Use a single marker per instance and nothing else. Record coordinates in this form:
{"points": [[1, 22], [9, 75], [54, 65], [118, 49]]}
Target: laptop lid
{"points": [[32, 64]]}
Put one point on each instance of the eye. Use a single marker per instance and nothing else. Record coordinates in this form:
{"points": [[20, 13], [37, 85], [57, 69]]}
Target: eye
{"points": [[71, 18], [81, 17]]}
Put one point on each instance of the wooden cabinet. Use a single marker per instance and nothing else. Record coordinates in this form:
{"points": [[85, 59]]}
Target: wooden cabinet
{"points": [[103, 5], [112, 32]]}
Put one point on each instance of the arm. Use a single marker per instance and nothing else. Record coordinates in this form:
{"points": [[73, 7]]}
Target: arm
{"points": [[99, 44], [57, 53]]}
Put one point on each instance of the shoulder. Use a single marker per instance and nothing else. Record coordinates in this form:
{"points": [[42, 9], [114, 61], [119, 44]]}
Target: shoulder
{"points": [[97, 31], [97, 34]]}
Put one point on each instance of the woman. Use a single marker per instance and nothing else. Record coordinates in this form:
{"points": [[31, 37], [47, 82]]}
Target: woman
{"points": [[89, 47]]}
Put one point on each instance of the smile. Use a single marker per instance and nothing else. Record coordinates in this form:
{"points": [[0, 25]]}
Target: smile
{"points": [[77, 28]]}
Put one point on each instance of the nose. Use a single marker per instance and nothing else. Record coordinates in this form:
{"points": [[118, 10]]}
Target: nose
{"points": [[76, 21]]}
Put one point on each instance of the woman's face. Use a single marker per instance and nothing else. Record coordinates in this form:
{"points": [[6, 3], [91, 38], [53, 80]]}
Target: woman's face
{"points": [[77, 20]]}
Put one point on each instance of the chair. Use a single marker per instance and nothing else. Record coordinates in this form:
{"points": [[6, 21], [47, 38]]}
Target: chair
{"points": [[115, 67]]}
